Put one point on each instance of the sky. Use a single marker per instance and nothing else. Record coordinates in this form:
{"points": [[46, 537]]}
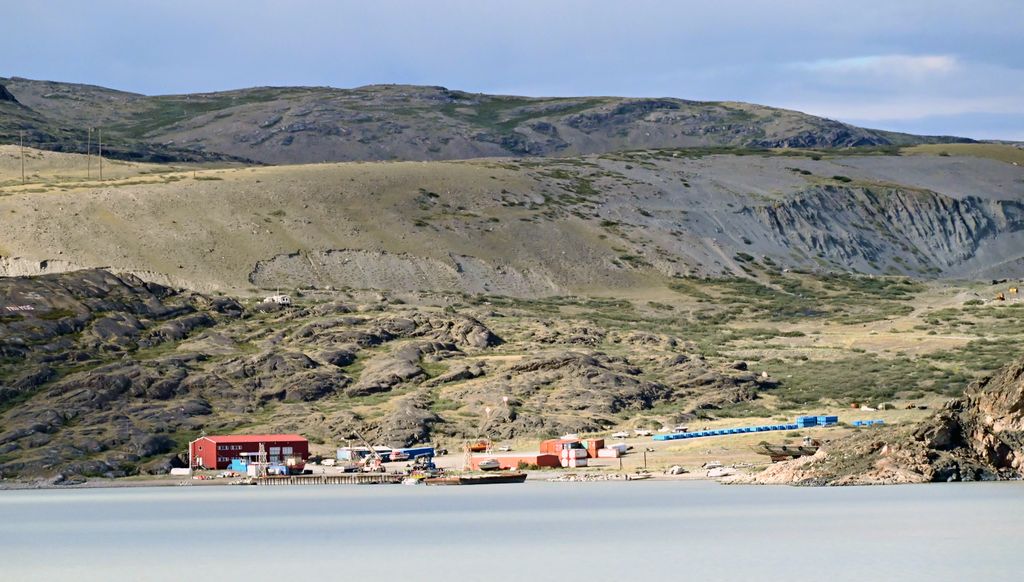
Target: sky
{"points": [[921, 66]]}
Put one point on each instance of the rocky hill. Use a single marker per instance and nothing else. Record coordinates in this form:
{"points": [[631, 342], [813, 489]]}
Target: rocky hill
{"points": [[398, 122], [60, 134], [977, 437], [102, 375]]}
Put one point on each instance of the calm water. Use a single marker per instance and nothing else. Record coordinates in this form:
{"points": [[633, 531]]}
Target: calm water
{"points": [[535, 531]]}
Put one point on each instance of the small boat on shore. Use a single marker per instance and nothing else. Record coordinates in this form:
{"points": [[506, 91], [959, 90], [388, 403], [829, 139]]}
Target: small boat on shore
{"points": [[784, 452], [488, 479], [490, 465]]}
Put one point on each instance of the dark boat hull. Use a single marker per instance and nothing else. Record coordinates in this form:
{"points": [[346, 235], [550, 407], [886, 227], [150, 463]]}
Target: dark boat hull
{"points": [[783, 452], [491, 479]]}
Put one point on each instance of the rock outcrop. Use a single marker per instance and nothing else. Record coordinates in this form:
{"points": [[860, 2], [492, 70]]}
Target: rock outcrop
{"points": [[977, 437], [6, 95]]}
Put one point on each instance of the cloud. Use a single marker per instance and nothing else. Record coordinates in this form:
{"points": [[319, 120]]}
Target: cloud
{"points": [[905, 91], [914, 66], [898, 108]]}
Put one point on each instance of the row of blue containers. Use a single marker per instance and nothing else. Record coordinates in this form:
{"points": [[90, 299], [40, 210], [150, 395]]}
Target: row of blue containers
{"points": [[723, 431], [801, 422], [823, 420], [867, 422]]}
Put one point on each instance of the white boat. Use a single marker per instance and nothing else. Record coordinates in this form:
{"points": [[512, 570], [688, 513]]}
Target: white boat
{"points": [[490, 465], [620, 435]]}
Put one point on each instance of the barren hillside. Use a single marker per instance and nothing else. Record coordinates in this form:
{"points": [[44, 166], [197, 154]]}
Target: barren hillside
{"points": [[521, 227]]}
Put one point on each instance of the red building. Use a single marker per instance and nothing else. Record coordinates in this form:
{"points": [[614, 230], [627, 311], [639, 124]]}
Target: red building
{"points": [[216, 452]]}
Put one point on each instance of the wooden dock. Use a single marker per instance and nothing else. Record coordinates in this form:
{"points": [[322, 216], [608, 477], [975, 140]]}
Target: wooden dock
{"points": [[345, 479]]}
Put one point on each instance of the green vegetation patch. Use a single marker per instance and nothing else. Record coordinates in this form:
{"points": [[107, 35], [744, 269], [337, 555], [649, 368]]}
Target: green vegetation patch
{"points": [[860, 378]]}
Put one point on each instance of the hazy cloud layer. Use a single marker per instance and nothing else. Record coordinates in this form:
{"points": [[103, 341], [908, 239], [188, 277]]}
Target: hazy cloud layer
{"points": [[927, 66]]}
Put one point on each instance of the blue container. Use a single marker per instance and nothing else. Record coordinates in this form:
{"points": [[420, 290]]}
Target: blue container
{"points": [[417, 451]]}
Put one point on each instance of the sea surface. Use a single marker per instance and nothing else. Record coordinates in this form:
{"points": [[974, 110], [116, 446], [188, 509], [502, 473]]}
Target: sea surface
{"points": [[534, 531]]}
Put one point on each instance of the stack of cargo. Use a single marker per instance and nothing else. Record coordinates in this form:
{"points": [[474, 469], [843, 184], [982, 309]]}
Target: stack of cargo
{"points": [[592, 446], [573, 457], [608, 453], [555, 446], [812, 421], [806, 421]]}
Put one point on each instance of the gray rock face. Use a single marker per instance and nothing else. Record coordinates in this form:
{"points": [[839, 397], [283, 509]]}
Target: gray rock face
{"points": [[861, 227]]}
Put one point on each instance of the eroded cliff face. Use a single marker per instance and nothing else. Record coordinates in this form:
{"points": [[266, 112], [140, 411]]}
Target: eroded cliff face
{"points": [[867, 228], [977, 437]]}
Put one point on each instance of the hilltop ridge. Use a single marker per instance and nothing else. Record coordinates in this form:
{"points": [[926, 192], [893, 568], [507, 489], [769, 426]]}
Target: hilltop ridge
{"points": [[404, 122]]}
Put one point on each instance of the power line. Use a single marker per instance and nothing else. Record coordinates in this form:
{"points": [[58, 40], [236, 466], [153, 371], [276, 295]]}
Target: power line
{"points": [[21, 138]]}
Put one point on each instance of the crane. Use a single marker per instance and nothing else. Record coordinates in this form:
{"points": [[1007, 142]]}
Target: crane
{"points": [[377, 464]]}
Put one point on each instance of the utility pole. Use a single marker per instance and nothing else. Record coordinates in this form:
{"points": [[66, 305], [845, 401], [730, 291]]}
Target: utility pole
{"points": [[100, 131], [21, 139], [88, 155]]}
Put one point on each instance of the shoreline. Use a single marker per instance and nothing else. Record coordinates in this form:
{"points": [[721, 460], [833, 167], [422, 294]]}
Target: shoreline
{"points": [[163, 481]]}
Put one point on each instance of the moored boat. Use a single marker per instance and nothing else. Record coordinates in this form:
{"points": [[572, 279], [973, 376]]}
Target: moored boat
{"points": [[490, 478], [786, 450]]}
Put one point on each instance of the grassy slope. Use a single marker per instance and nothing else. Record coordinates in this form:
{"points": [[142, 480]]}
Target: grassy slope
{"points": [[1001, 152]]}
